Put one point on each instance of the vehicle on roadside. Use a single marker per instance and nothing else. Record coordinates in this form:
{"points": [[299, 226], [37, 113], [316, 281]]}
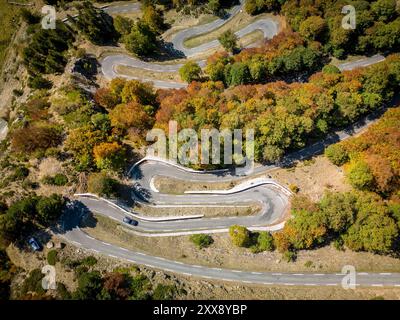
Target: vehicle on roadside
{"points": [[130, 221], [34, 244]]}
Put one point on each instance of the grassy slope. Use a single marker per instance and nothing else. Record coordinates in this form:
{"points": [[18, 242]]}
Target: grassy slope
{"points": [[8, 25]]}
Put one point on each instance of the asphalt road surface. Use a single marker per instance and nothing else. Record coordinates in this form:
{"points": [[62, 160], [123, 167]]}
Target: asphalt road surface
{"points": [[364, 62], [145, 172], [72, 233], [273, 201], [269, 27]]}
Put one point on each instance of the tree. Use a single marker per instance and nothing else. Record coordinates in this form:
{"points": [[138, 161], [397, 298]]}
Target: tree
{"points": [[214, 5], [153, 18], [238, 74], [52, 257], [306, 229], [375, 233], [384, 10], [29, 17], [49, 208], [109, 155], [46, 49], [90, 285], [313, 28], [239, 235], [123, 25], [142, 40], [190, 71], [106, 98], [18, 219], [116, 286], [339, 210], [94, 24], [201, 240], [80, 143], [38, 82], [216, 66], [228, 40], [265, 242], [272, 154], [257, 6], [140, 287], [136, 91], [164, 292], [337, 154], [130, 115], [101, 184], [251, 7], [360, 176]]}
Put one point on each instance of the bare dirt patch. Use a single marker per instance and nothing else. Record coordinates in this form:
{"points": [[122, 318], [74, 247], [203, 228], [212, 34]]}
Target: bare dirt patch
{"points": [[209, 212], [176, 186], [148, 74], [313, 177]]}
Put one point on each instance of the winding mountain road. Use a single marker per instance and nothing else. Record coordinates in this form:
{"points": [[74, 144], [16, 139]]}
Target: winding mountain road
{"points": [[145, 171], [72, 233], [272, 198], [268, 26]]}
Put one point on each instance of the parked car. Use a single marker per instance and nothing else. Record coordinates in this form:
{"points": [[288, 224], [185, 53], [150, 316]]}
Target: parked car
{"points": [[34, 244], [130, 221]]}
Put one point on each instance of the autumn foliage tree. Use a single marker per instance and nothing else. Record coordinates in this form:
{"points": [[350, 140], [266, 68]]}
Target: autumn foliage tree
{"points": [[35, 137], [109, 155]]}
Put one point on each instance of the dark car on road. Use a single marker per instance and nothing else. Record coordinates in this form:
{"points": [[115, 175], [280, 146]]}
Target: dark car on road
{"points": [[130, 221], [34, 244]]}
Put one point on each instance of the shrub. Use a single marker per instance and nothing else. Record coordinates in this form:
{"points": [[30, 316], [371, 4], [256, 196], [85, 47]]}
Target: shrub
{"points": [[190, 71], [240, 236], [18, 92], [63, 292], [330, 69], [164, 292], [38, 82], [294, 188], [201, 240], [308, 264], [360, 176], [52, 257], [33, 283], [265, 241], [20, 173], [89, 261], [228, 40], [58, 180], [337, 154], [290, 256]]}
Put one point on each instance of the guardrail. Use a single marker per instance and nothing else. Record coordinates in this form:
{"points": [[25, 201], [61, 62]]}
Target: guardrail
{"points": [[245, 186]]}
